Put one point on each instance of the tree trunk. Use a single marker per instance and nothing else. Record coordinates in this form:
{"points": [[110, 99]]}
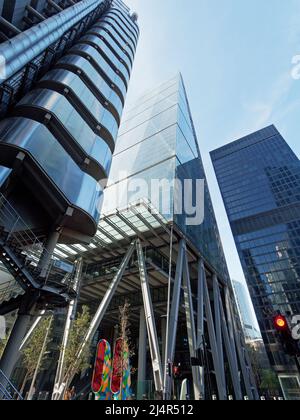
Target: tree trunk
{"points": [[24, 384]]}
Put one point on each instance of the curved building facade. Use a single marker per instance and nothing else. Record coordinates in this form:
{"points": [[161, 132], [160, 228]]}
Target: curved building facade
{"points": [[58, 136]]}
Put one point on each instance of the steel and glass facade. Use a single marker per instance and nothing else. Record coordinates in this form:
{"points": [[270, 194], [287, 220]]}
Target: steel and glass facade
{"points": [[144, 242], [157, 143], [246, 313], [259, 178], [63, 129], [172, 273]]}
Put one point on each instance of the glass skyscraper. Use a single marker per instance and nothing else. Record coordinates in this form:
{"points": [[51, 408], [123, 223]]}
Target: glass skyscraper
{"points": [[157, 195], [157, 247], [246, 312], [157, 142], [259, 178]]}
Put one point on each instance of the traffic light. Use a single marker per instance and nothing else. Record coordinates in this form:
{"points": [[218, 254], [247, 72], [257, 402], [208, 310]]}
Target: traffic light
{"points": [[177, 371], [281, 325]]}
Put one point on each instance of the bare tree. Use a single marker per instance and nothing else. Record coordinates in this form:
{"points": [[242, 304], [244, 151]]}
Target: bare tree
{"points": [[2, 346], [125, 335], [77, 335], [33, 361]]}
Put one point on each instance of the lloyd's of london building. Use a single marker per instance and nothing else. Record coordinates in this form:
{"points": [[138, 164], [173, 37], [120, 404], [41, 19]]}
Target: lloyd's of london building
{"points": [[65, 70], [155, 256]]}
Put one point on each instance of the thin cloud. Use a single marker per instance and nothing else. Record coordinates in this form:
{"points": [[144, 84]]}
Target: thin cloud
{"points": [[270, 109]]}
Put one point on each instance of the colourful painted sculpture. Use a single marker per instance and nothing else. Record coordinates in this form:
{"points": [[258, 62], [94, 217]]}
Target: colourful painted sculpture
{"points": [[117, 371], [112, 380], [102, 372], [126, 383]]}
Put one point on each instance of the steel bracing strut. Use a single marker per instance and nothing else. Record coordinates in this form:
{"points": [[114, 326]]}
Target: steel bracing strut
{"points": [[221, 326]]}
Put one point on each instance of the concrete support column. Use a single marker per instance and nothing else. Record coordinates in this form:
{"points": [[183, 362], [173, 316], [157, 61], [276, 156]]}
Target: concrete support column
{"points": [[142, 362], [48, 251], [12, 353]]}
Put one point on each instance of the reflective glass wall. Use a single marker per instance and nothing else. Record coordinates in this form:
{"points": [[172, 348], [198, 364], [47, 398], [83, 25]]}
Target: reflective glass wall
{"points": [[67, 124], [259, 177], [156, 151]]}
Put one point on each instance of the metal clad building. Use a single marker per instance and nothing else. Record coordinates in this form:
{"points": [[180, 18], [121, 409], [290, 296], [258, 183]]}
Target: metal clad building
{"points": [[65, 92], [65, 68]]}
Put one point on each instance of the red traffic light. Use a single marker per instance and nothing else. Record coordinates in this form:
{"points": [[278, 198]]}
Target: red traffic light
{"points": [[280, 323]]}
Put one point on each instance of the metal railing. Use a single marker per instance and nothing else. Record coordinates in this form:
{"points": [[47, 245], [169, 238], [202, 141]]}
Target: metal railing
{"points": [[30, 249], [7, 390], [10, 290]]}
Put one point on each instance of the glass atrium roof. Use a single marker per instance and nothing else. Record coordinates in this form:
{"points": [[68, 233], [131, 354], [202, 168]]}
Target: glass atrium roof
{"points": [[132, 221]]}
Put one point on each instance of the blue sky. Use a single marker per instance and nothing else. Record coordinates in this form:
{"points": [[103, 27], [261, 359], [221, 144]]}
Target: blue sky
{"points": [[236, 60]]}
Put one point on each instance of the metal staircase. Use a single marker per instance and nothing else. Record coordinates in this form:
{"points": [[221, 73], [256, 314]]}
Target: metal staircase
{"points": [[7, 389], [10, 295], [20, 252], [10, 290]]}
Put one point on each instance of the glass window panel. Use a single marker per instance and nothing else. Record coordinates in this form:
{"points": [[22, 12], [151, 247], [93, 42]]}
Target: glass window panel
{"points": [[143, 155], [123, 193]]}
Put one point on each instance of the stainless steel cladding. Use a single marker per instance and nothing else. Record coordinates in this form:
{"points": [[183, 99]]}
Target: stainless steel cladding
{"points": [[66, 125]]}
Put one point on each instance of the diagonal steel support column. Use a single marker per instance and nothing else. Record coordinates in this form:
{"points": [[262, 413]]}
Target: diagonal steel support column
{"points": [[252, 393], [142, 356], [230, 326], [34, 325], [173, 321], [69, 320], [191, 329], [230, 351], [238, 327], [200, 306], [218, 328], [175, 303], [252, 377], [213, 342], [102, 308], [109, 294], [150, 320]]}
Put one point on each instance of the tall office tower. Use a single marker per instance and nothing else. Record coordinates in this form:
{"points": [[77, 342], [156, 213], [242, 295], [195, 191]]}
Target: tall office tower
{"points": [[65, 69], [246, 312], [158, 227], [259, 177]]}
